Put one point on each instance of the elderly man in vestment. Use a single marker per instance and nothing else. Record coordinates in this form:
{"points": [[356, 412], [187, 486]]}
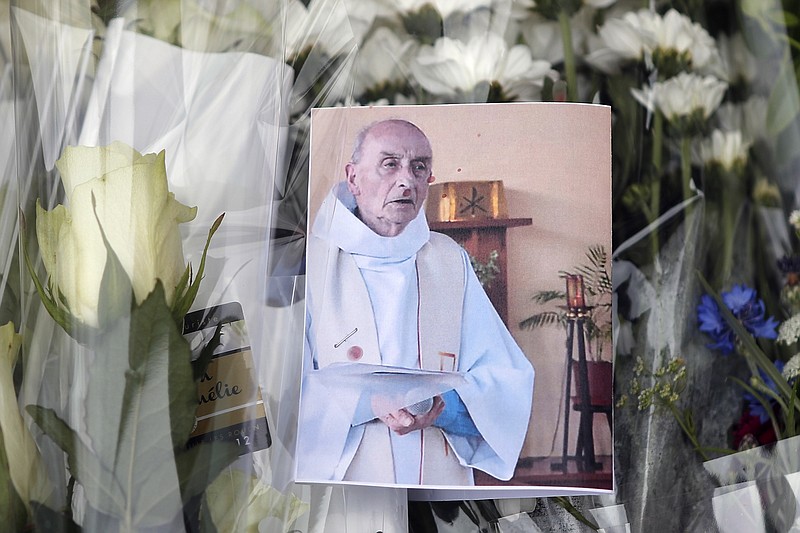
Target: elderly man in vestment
{"points": [[385, 290]]}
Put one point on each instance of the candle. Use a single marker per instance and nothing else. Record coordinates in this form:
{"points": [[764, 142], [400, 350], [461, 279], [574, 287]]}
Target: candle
{"points": [[575, 296]]}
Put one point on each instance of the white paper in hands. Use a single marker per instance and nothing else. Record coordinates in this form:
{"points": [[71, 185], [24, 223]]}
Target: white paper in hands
{"points": [[377, 390]]}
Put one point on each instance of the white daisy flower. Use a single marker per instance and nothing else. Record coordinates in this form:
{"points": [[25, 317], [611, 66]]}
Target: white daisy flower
{"points": [[453, 67], [671, 43], [384, 59], [725, 148], [684, 96]]}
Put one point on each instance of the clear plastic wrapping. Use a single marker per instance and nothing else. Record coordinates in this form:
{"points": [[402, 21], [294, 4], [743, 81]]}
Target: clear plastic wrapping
{"points": [[705, 114]]}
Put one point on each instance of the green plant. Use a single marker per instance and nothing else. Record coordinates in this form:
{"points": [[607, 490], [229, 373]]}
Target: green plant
{"points": [[487, 271], [597, 284]]}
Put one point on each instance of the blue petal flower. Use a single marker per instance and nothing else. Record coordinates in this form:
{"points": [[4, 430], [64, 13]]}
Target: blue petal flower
{"points": [[767, 329], [739, 297], [746, 306], [708, 315]]}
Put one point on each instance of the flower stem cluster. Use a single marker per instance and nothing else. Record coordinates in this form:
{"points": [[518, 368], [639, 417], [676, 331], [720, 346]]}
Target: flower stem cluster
{"points": [[668, 382]]}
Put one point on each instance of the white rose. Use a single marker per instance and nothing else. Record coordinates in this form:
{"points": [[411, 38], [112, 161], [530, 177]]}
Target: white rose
{"points": [[138, 215]]}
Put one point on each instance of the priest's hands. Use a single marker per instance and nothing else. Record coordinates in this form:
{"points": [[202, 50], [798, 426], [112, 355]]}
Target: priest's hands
{"points": [[402, 422]]}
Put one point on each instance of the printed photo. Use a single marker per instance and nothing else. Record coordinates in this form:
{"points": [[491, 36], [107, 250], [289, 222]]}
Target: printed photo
{"points": [[455, 308]]}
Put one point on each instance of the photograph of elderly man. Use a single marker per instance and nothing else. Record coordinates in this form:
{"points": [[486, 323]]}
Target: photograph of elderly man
{"points": [[382, 289]]}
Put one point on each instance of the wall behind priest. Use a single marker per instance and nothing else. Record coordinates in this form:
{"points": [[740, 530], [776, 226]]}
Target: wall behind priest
{"points": [[555, 163]]}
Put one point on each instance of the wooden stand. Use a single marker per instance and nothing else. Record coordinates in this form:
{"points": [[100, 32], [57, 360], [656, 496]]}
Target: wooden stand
{"points": [[584, 453], [479, 237]]}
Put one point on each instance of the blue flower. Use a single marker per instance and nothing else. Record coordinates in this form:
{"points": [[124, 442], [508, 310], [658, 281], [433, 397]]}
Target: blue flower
{"points": [[746, 306], [752, 405]]}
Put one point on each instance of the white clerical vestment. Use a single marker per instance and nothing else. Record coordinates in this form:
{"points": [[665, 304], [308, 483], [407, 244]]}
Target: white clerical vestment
{"points": [[499, 377]]}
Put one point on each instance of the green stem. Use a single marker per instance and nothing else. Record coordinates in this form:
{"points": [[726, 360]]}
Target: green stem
{"points": [[728, 220], [655, 187], [686, 166], [569, 56], [564, 502], [686, 431]]}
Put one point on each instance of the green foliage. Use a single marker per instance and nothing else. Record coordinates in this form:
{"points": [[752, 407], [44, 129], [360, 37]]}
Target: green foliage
{"points": [[50, 301], [546, 318], [597, 283], [186, 293], [543, 297], [487, 271], [141, 403], [596, 277], [666, 384]]}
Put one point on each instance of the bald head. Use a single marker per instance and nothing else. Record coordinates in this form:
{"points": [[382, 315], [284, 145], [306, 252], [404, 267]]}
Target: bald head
{"points": [[388, 174], [365, 131]]}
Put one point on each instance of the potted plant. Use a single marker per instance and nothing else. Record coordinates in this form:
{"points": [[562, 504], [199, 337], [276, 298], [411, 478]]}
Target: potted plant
{"points": [[597, 322]]}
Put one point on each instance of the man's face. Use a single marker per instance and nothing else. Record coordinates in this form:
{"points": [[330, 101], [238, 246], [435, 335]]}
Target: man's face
{"points": [[390, 180]]}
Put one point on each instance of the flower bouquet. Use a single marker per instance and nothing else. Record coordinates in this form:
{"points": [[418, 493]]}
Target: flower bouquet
{"points": [[121, 291], [706, 125]]}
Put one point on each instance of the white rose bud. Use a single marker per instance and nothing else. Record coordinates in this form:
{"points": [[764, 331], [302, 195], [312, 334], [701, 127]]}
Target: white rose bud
{"points": [[138, 215]]}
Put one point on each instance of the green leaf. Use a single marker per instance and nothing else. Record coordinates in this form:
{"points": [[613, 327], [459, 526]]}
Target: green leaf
{"points": [[566, 503], [105, 387], [200, 465], [183, 304], [62, 317], [183, 283], [546, 318], [159, 404], [100, 486], [141, 404], [790, 19], [542, 297]]}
